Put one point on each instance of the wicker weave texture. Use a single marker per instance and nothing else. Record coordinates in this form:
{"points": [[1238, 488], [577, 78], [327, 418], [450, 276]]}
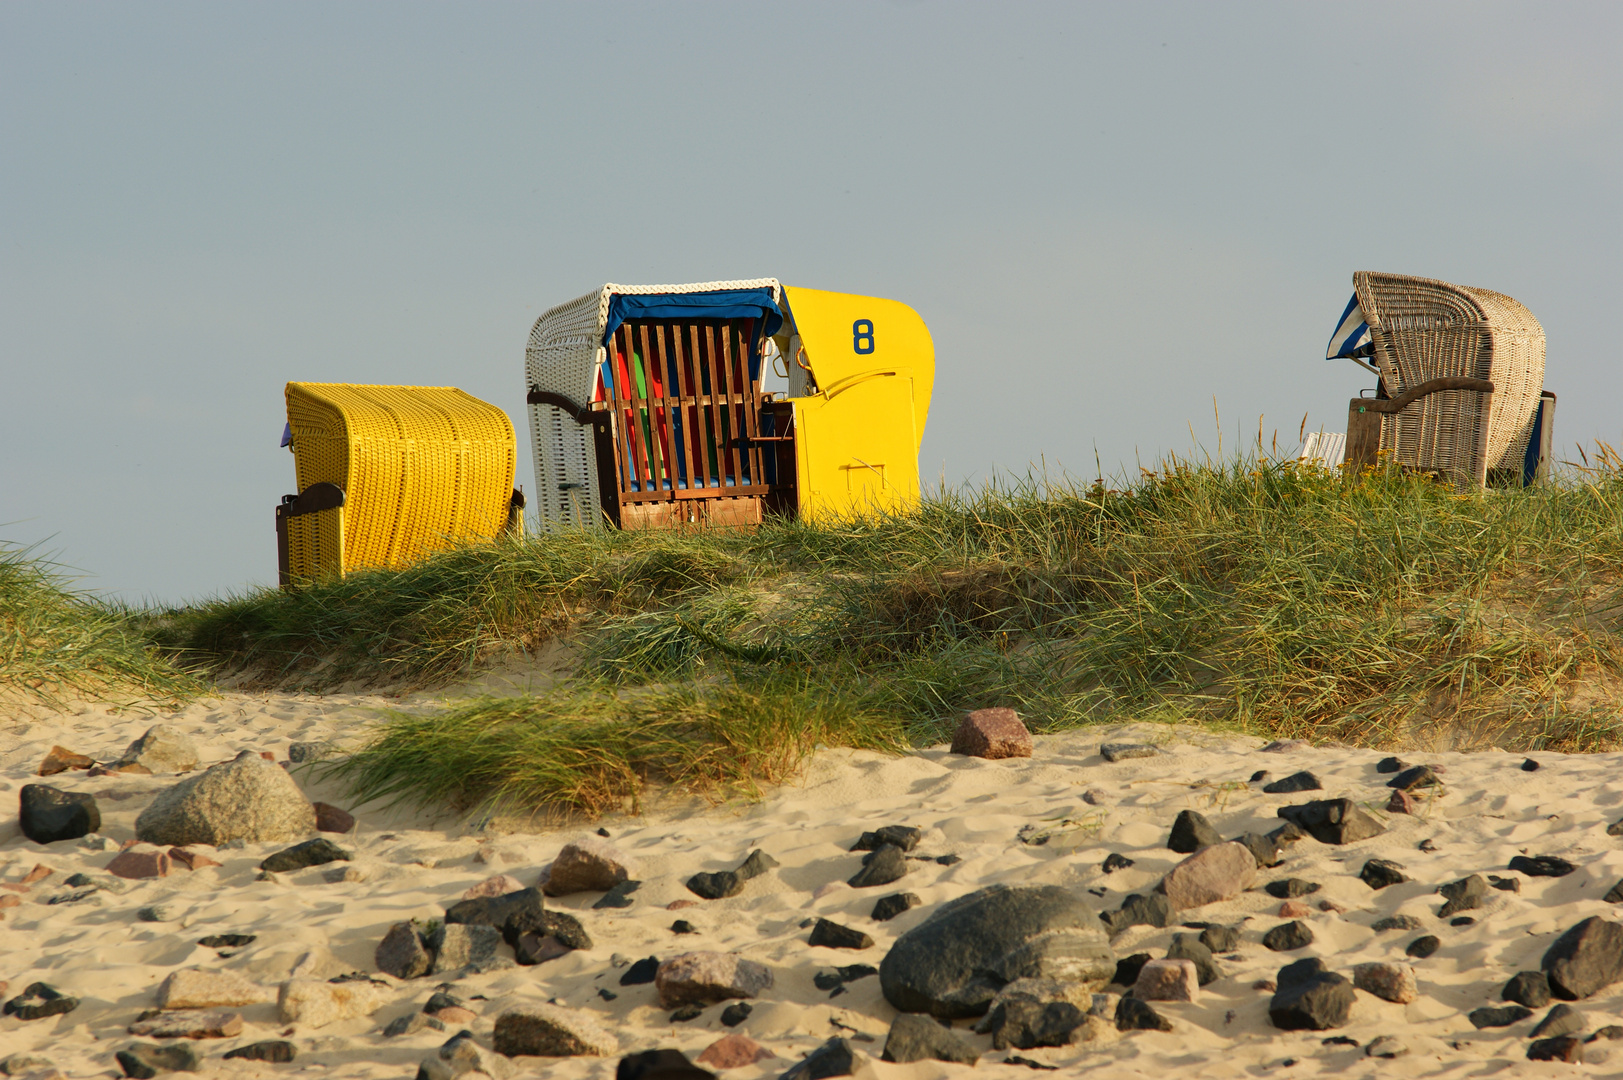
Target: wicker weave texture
{"points": [[562, 356], [422, 467], [1425, 329]]}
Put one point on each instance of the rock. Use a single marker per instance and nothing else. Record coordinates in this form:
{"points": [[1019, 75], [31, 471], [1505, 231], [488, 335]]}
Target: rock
{"points": [[618, 897], [499, 885], [1615, 828], [301, 753], [1188, 947], [317, 852], [246, 799], [461, 945], [1301, 781], [1294, 909], [884, 866], [1380, 873], [1391, 982], [145, 1060], [888, 907], [660, 1065], [1128, 967], [277, 1051], [1286, 746], [1420, 776], [588, 864], [952, 963], [1396, 922], [1167, 980], [1215, 873], [1333, 821], [411, 1024], [737, 1013], [905, 837], [191, 858], [1530, 988], [1029, 1013], [314, 1003], [1462, 895], [682, 926], [61, 759], [39, 1000], [1497, 1016], [831, 935], [1422, 947], [1385, 1046], [1560, 1020], [1191, 832], [1221, 939], [1568, 1048], [532, 948], [1390, 765], [1290, 888], [194, 989], [1134, 1015], [641, 973], [1310, 998], [542, 1030], [731, 882], [1121, 751], [1401, 802], [1152, 910], [1529, 765], [330, 818], [461, 1056], [830, 978], [403, 953], [834, 1058], [992, 734], [189, 1024], [520, 910], [706, 977], [48, 814], [1287, 834], [1587, 958], [1614, 895], [163, 749], [1288, 936], [1264, 849], [920, 1038], [140, 861], [1542, 866], [735, 1051]]}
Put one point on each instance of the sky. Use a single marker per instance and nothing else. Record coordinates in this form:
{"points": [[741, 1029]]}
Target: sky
{"points": [[1129, 226]]}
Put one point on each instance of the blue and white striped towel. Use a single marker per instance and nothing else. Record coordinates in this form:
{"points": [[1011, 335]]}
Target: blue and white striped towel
{"points": [[1351, 333]]}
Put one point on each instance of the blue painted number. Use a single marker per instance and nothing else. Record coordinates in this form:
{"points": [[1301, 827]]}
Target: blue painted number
{"points": [[862, 336]]}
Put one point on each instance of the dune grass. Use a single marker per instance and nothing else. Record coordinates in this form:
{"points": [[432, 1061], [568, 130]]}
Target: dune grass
{"points": [[1383, 609], [55, 640]]}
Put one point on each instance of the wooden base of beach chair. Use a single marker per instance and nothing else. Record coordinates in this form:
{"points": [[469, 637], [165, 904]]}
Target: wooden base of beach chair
{"points": [[1364, 416]]}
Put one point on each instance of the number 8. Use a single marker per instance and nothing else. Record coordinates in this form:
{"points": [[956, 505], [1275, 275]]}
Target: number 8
{"points": [[862, 336]]}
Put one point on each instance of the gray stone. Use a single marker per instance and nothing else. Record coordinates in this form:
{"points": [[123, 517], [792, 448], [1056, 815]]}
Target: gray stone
{"points": [[163, 749], [618, 897], [906, 837], [38, 1001], [1393, 982], [1291, 888], [716, 886], [300, 753], [888, 907], [1530, 988], [145, 1060], [411, 1024], [1028, 1013], [277, 1051], [1135, 1015], [1310, 998], [832, 935], [1568, 1048], [403, 953], [884, 866], [1462, 895], [317, 852], [921, 1038], [1396, 922], [1290, 785], [1265, 849], [707, 977], [1152, 910], [1333, 821], [952, 964], [1121, 751], [1497, 1016], [551, 1031], [1422, 947], [1542, 866], [1189, 947], [1585, 959], [1212, 874], [1385, 1046], [1560, 1020], [248, 799], [462, 1056], [833, 1058], [1221, 939], [1287, 936], [1381, 873], [588, 864], [1191, 832], [458, 945], [1420, 776]]}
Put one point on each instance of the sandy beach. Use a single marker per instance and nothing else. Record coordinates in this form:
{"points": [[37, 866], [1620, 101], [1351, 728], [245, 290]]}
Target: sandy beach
{"points": [[1050, 819]]}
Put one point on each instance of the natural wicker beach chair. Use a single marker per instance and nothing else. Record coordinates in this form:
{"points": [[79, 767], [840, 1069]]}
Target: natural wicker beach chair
{"points": [[647, 409], [387, 474], [1462, 372]]}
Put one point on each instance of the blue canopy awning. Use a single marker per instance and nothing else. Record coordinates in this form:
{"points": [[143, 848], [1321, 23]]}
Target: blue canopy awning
{"points": [[726, 304], [1352, 333]]}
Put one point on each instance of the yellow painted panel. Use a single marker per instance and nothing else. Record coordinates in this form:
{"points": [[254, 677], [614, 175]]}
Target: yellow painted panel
{"points": [[846, 336], [857, 447], [421, 467]]}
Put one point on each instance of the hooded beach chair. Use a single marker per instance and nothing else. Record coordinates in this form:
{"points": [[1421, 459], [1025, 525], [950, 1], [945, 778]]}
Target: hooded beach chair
{"points": [[647, 410], [387, 474], [1461, 380]]}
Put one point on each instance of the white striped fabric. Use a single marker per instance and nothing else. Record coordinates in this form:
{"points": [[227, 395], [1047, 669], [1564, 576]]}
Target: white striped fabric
{"points": [[1351, 332]]}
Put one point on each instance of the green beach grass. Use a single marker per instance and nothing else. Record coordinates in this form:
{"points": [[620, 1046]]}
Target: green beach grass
{"points": [[1258, 596]]}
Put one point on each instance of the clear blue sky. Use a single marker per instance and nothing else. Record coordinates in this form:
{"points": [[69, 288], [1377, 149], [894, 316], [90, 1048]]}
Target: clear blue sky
{"points": [[1109, 214]]}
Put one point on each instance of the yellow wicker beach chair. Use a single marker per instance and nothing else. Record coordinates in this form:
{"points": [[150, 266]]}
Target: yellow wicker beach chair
{"points": [[387, 474], [647, 409], [1462, 372]]}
